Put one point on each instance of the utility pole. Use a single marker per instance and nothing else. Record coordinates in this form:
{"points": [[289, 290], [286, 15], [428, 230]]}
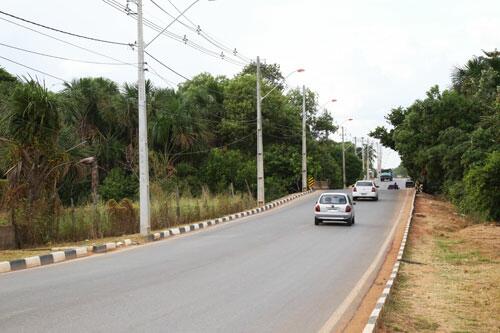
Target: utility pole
{"points": [[143, 130], [343, 158], [379, 158], [260, 156], [304, 148], [367, 159], [363, 154]]}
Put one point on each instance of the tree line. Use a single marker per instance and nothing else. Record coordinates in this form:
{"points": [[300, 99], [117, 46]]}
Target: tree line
{"points": [[202, 137], [450, 141]]}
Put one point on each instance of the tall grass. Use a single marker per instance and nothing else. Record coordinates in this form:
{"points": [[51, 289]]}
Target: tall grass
{"points": [[119, 218]]}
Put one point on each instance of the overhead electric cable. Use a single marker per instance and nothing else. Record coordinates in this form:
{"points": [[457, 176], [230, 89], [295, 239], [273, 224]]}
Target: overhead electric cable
{"points": [[33, 69], [167, 67], [62, 58], [182, 39], [197, 29], [69, 43], [66, 32]]}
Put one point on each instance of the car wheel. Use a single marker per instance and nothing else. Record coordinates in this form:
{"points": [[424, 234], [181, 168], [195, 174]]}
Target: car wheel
{"points": [[317, 221], [350, 221], [353, 220], [375, 199], [354, 198]]}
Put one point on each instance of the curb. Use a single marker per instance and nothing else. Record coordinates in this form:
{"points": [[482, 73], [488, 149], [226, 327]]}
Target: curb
{"points": [[375, 315], [59, 256], [205, 224]]}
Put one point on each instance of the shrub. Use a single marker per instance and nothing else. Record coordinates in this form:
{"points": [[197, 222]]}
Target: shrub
{"points": [[118, 185]]}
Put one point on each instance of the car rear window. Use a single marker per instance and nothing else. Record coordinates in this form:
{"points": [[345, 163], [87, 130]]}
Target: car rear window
{"points": [[333, 199], [364, 184]]}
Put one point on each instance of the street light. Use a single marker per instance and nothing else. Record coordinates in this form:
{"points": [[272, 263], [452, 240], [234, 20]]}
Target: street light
{"points": [[329, 101], [300, 70], [260, 149]]}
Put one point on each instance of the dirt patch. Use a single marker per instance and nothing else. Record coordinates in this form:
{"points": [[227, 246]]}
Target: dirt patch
{"points": [[456, 288], [358, 322]]}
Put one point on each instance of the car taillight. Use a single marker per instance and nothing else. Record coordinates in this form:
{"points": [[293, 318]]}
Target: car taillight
{"points": [[348, 209], [374, 189], [317, 208], [354, 189]]}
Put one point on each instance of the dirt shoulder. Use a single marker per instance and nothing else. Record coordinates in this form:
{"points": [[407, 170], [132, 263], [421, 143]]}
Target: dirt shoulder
{"points": [[449, 280]]}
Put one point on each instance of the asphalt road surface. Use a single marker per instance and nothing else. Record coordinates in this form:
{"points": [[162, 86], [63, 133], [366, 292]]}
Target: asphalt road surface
{"points": [[273, 272]]}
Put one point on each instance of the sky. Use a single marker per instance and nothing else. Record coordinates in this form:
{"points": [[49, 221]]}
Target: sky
{"points": [[370, 55]]}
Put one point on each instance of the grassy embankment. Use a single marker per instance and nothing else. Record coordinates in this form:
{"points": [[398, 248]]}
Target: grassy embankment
{"points": [[450, 278]]}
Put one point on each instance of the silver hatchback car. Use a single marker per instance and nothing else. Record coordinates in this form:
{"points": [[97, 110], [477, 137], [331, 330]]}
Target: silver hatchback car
{"points": [[334, 207]]}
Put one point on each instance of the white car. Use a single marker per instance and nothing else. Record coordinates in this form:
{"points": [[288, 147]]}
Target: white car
{"points": [[365, 189], [334, 207]]}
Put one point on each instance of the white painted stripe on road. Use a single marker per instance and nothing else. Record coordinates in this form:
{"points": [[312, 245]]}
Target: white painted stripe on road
{"points": [[358, 289]]}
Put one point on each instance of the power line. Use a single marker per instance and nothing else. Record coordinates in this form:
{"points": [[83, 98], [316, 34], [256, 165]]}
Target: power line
{"points": [[212, 148], [178, 38], [34, 69], [167, 67], [66, 32], [61, 58], [197, 29], [69, 43]]}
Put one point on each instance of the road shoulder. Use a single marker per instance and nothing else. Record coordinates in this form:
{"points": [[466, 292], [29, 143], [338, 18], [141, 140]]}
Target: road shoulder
{"points": [[449, 276]]}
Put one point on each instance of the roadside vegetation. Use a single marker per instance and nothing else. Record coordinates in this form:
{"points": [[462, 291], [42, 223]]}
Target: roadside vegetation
{"points": [[450, 141], [449, 279], [69, 163]]}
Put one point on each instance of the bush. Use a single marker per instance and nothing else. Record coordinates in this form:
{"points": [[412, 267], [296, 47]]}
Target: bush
{"points": [[118, 185], [482, 189]]}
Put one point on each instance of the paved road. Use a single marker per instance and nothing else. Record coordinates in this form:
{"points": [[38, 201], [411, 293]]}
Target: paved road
{"points": [[274, 272]]}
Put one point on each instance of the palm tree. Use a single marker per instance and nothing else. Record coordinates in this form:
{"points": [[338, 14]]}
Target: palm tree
{"points": [[36, 165]]}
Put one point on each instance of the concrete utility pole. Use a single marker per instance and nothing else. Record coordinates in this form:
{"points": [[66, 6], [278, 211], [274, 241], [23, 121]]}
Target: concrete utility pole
{"points": [[379, 158], [260, 155], [145, 226], [304, 147], [343, 158], [367, 159], [363, 154]]}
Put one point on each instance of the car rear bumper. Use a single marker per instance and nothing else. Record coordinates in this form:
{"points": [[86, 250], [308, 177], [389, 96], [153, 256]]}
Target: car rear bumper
{"points": [[365, 195], [333, 216]]}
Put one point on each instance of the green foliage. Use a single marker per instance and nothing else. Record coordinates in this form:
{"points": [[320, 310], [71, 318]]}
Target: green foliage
{"points": [[481, 195], [201, 136], [450, 140], [118, 185]]}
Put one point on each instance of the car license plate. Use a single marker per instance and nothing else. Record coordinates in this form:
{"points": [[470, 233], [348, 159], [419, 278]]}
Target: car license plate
{"points": [[363, 193]]}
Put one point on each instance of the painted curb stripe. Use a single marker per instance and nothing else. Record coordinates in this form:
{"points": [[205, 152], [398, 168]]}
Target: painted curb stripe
{"points": [[18, 264]]}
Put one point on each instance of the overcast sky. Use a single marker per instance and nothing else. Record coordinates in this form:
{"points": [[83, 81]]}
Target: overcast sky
{"points": [[369, 55]]}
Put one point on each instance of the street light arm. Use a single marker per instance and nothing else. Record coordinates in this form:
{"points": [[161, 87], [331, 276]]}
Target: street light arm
{"points": [[284, 79]]}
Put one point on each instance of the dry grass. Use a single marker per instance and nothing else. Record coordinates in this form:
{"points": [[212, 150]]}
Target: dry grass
{"points": [[453, 284]]}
